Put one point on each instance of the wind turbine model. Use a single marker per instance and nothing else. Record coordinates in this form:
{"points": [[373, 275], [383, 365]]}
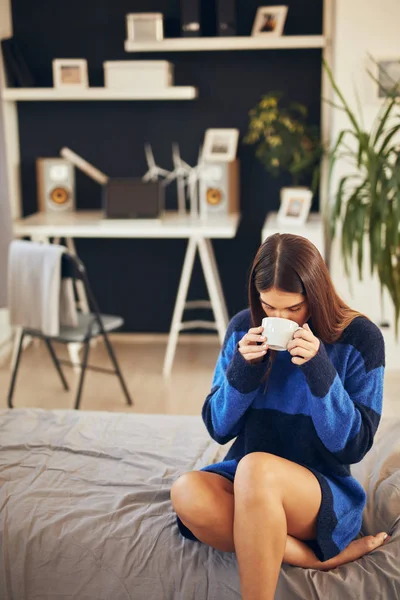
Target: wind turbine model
{"points": [[154, 172], [195, 176], [180, 173]]}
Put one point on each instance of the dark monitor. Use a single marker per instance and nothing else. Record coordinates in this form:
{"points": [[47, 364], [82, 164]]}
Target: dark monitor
{"points": [[132, 198]]}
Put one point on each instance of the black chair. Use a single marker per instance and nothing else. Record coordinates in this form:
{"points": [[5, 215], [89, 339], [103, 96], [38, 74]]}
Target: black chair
{"points": [[90, 326]]}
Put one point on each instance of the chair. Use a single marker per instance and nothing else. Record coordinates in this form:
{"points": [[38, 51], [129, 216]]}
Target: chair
{"points": [[89, 326]]}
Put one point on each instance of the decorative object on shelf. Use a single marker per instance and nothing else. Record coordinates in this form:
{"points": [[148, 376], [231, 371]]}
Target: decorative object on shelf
{"points": [[226, 17], [219, 188], [55, 178], [193, 185], [84, 166], [295, 205], [284, 140], [367, 198], [269, 20], [180, 173], [133, 198], [70, 73], [17, 71], [221, 145], [191, 18], [145, 27], [144, 75], [154, 172]]}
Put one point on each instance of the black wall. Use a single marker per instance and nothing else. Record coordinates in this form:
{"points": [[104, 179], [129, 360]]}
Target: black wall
{"points": [[139, 278]]}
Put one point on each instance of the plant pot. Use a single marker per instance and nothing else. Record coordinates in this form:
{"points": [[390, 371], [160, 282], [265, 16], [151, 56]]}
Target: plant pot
{"points": [[295, 205]]}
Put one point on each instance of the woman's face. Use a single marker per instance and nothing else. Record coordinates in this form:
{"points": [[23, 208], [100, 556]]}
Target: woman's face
{"points": [[277, 303]]}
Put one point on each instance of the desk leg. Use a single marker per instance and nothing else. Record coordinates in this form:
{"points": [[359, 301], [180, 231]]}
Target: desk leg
{"points": [[179, 305], [214, 286]]}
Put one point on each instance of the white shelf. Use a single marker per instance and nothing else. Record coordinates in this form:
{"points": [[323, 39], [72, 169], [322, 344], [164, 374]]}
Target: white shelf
{"points": [[26, 94], [228, 43]]}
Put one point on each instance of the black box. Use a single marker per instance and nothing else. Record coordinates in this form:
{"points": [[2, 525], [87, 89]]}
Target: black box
{"points": [[191, 18], [226, 17], [198, 18], [132, 198]]}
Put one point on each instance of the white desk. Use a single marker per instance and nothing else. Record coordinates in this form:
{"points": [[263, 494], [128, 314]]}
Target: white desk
{"points": [[91, 224], [312, 230]]}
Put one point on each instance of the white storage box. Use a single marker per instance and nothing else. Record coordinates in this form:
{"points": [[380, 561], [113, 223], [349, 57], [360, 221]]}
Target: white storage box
{"points": [[145, 27], [143, 75]]}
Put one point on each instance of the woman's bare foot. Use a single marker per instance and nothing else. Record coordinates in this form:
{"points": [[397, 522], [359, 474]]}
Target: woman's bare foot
{"points": [[355, 550]]}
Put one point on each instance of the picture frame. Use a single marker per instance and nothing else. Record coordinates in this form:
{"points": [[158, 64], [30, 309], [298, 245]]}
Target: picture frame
{"points": [[295, 206], [220, 145], [70, 73], [269, 20], [387, 76]]}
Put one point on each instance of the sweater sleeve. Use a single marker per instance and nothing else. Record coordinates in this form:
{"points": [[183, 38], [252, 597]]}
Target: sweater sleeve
{"points": [[235, 385], [346, 414]]}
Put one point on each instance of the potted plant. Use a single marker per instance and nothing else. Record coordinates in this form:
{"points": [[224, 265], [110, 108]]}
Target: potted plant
{"points": [[285, 142], [367, 200]]}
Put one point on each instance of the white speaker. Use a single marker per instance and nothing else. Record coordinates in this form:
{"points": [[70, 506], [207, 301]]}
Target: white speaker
{"points": [[219, 188], [55, 185]]}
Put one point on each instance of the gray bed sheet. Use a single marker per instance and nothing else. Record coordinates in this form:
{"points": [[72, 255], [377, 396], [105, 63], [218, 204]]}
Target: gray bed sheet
{"points": [[85, 513]]}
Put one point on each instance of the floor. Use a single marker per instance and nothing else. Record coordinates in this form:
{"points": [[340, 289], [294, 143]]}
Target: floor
{"points": [[141, 362]]}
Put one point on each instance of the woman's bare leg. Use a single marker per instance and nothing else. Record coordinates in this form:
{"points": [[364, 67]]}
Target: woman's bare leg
{"points": [[273, 498], [205, 503]]}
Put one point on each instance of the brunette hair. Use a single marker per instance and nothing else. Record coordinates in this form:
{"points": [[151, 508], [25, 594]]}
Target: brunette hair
{"points": [[291, 263]]}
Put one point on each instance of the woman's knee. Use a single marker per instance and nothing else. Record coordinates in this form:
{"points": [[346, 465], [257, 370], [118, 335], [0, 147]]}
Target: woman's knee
{"points": [[192, 498], [257, 474]]}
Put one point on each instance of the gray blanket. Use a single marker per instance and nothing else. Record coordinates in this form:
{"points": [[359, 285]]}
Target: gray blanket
{"points": [[85, 513]]}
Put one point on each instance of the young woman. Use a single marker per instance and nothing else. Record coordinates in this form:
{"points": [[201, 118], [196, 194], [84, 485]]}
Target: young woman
{"points": [[284, 492]]}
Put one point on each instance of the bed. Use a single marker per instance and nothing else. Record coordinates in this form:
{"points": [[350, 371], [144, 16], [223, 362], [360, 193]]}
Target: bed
{"points": [[85, 513]]}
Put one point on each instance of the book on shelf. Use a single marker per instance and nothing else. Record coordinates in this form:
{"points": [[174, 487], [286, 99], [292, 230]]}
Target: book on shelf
{"points": [[16, 69]]}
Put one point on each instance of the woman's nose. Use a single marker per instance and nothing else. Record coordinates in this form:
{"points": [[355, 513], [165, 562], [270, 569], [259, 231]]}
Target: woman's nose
{"points": [[281, 314]]}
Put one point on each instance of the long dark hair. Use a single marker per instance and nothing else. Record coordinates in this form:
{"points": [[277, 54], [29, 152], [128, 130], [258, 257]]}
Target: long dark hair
{"points": [[291, 263]]}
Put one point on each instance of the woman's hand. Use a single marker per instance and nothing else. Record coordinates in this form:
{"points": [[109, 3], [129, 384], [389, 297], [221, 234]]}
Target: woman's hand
{"points": [[249, 348], [304, 345]]}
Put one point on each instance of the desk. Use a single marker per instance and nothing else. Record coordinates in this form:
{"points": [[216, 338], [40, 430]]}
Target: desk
{"points": [[91, 224], [312, 230]]}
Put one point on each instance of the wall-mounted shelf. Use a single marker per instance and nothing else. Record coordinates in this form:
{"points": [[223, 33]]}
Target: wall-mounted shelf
{"points": [[36, 94], [228, 43]]}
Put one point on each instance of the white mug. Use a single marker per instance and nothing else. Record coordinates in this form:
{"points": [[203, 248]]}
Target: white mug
{"points": [[278, 332]]}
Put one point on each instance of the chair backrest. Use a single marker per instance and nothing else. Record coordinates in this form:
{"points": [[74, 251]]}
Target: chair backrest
{"points": [[72, 267]]}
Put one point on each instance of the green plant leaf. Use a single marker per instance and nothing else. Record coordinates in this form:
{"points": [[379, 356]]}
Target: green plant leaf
{"points": [[349, 112], [390, 135], [382, 119]]}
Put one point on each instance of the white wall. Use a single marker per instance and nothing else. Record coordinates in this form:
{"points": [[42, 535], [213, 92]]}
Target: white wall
{"points": [[363, 28]]}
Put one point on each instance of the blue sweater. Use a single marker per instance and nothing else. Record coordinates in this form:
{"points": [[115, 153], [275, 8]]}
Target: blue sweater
{"points": [[322, 415]]}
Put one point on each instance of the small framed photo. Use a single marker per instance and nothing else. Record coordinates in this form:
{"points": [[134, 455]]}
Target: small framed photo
{"points": [[295, 206], [220, 145], [388, 77], [70, 73], [270, 20]]}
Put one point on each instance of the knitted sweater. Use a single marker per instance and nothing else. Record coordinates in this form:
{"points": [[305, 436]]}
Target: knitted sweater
{"points": [[322, 415]]}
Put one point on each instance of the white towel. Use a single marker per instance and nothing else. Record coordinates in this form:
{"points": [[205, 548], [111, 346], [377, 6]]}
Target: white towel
{"points": [[37, 299]]}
